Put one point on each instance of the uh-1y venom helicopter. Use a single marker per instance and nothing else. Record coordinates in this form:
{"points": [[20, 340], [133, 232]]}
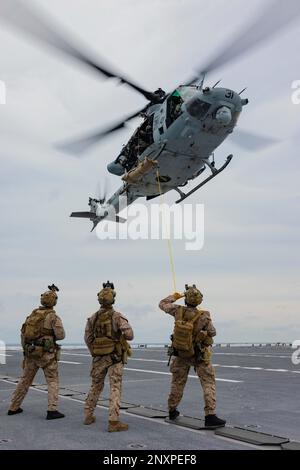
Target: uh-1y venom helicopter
{"points": [[181, 130]]}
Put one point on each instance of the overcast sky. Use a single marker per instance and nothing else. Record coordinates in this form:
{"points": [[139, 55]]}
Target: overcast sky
{"points": [[248, 269]]}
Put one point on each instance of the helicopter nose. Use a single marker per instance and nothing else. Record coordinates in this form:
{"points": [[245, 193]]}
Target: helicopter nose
{"points": [[224, 116], [116, 168]]}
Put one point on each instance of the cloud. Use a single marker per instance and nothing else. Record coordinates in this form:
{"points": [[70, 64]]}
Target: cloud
{"points": [[249, 266]]}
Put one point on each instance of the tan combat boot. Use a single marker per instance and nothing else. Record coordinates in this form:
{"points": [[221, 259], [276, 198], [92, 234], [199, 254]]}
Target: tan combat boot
{"points": [[116, 426], [89, 419]]}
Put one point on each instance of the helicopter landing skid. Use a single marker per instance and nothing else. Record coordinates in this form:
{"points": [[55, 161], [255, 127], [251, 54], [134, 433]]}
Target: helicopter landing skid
{"points": [[215, 172]]}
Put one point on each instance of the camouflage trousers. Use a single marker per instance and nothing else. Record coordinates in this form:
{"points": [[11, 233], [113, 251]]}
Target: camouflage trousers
{"points": [[180, 370], [30, 367], [100, 367]]}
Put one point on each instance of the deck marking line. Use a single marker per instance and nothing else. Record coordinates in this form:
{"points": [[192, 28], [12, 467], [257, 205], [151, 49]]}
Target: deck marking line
{"points": [[169, 373], [69, 362]]}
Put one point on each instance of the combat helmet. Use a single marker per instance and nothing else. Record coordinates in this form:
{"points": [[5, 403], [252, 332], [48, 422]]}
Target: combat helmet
{"points": [[193, 296], [49, 298], [106, 296]]}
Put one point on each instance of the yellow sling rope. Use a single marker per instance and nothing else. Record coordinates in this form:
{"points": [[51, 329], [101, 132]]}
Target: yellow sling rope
{"points": [[170, 251]]}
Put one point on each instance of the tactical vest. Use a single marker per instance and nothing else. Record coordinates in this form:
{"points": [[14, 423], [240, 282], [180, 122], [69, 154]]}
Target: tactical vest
{"points": [[106, 340], [183, 338]]}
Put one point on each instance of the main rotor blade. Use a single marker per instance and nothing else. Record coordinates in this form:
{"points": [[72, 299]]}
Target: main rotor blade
{"points": [[82, 144], [252, 142], [275, 17], [35, 24]]}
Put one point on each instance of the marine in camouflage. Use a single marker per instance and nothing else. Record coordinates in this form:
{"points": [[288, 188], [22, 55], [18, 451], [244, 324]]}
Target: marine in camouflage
{"points": [[106, 364], [52, 330], [205, 331]]}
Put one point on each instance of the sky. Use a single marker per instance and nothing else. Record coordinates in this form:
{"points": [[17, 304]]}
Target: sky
{"points": [[248, 269]]}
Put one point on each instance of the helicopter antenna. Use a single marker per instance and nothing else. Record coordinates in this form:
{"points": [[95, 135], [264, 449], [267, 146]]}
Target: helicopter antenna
{"points": [[217, 83], [202, 80], [244, 89], [198, 83]]}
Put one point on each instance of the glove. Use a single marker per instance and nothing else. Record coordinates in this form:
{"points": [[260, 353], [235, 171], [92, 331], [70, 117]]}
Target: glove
{"points": [[178, 296]]}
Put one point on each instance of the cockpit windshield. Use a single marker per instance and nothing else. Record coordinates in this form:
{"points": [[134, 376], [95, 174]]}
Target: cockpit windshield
{"points": [[174, 103], [197, 108]]}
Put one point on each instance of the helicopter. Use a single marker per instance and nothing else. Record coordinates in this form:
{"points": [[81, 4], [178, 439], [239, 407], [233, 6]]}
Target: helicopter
{"points": [[172, 146], [180, 130]]}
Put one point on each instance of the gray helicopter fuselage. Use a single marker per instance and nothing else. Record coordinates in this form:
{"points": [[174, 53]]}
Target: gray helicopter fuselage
{"points": [[182, 146]]}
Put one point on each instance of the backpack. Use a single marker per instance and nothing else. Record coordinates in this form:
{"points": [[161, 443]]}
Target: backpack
{"points": [[183, 335], [33, 328], [104, 337]]}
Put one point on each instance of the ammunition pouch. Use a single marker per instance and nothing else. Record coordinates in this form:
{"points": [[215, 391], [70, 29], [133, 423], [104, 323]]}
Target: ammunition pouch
{"points": [[103, 346], [116, 356], [203, 354], [49, 345], [119, 351], [57, 352], [125, 349], [33, 352], [36, 349]]}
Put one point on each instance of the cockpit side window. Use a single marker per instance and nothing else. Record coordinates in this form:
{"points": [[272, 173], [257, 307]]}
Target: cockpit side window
{"points": [[197, 108], [174, 103]]}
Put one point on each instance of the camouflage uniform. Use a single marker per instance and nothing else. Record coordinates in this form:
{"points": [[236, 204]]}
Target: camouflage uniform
{"points": [[104, 364], [48, 362], [180, 367]]}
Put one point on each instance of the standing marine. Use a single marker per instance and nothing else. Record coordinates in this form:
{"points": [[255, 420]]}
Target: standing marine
{"points": [[192, 339], [106, 336], [38, 337]]}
